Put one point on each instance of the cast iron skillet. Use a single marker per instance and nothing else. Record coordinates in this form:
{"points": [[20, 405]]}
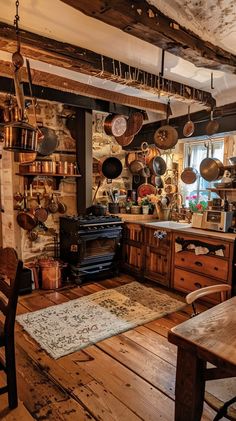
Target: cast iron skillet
{"points": [[112, 168]]}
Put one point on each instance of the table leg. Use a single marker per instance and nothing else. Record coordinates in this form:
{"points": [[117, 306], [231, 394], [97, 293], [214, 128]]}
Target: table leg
{"points": [[190, 386]]}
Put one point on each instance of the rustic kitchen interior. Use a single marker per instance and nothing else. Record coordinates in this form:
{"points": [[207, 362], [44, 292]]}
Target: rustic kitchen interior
{"points": [[118, 174]]}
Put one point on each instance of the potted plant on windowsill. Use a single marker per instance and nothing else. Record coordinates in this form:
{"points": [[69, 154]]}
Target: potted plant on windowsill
{"points": [[197, 207]]}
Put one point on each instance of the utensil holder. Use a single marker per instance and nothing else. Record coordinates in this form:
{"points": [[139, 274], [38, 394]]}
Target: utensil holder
{"points": [[113, 207]]}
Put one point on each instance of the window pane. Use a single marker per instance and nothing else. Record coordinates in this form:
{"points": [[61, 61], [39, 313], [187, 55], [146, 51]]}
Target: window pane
{"points": [[194, 153]]}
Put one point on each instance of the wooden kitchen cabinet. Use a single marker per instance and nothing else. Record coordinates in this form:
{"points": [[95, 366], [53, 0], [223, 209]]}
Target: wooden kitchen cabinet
{"points": [[192, 270], [132, 248], [157, 255]]}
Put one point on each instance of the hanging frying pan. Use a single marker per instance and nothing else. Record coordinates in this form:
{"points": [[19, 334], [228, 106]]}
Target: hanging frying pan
{"points": [[40, 213], [166, 136], [188, 129], [212, 126], [157, 165], [189, 174], [26, 219], [112, 168], [137, 165], [115, 125], [49, 142], [134, 124], [124, 140], [146, 189]]}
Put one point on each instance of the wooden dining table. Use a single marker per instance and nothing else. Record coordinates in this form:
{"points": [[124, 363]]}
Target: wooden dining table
{"points": [[209, 337]]}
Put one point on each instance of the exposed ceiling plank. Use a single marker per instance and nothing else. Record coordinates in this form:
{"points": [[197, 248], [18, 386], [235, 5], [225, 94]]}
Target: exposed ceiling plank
{"points": [[85, 61], [68, 85], [146, 22]]}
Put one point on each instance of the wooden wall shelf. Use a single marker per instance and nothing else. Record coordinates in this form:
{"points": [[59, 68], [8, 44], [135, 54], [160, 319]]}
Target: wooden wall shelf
{"points": [[48, 174]]}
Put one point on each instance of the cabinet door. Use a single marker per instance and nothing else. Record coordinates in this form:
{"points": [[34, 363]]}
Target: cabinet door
{"points": [[133, 232], [132, 258], [157, 265]]}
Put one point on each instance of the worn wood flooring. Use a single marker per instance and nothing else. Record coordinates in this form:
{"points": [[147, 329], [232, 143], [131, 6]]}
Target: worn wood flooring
{"points": [[128, 377]]}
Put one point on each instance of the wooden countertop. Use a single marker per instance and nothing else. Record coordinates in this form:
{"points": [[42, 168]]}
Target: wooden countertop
{"points": [[144, 219]]}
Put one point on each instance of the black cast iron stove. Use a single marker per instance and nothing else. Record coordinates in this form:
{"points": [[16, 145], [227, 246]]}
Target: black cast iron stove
{"points": [[90, 245]]}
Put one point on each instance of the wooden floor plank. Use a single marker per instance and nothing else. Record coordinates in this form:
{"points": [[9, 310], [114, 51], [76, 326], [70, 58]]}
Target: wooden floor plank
{"points": [[144, 363], [154, 343], [138, 395], [128, 377]]}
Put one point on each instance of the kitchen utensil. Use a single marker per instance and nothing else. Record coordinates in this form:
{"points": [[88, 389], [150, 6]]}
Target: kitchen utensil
{"points": [[146, 189], [115, 125], [49, 142], [189, 174], [111, 168], [157, 165], [98, 209], [25, 158], [52, 206], [62, 208], [124, 140], [33, 235], [211, 169], [232, 160], [137, 165], [156, 180], [166, 136], [48, 167], [134, 124], [20, 136], [35, 167], [51, 273], [212, 126], [26, 218], [188, 129], [152, 152], [40, 213]]}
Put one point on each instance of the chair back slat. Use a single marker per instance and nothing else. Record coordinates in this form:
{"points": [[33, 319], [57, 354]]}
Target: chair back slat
{"points": [[3, 306], [5, 286]]}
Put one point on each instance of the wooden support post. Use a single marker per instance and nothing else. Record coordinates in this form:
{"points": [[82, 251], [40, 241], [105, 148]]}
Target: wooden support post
{"points": [[84, 158]]}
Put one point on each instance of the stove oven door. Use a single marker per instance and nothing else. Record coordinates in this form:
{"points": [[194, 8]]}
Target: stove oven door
{"points": [[99, 246]]}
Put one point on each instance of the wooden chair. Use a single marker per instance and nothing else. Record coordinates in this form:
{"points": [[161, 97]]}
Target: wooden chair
{"points": [[10, 273], [222, 409]]}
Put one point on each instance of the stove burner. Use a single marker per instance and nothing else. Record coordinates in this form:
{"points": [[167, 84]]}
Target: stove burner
{"points": [[92, 219]]}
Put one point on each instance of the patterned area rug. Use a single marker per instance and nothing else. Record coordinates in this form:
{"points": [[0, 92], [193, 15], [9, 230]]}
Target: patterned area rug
{"points": [[69, 327]]}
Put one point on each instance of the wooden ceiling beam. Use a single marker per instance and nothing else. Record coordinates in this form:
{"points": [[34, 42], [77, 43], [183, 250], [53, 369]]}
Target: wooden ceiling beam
{"points": [[81, 60], [146, 22]]}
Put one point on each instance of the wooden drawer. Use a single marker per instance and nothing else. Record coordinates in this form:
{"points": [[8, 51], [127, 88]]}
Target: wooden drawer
{"points": [[206, 241], [187, 281], [209, 265]]}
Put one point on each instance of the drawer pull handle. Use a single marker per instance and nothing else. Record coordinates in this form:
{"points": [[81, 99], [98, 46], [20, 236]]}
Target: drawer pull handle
{"points": [[198, 263], [197, 285], [216, 268], [182, 279], [182, 259]]}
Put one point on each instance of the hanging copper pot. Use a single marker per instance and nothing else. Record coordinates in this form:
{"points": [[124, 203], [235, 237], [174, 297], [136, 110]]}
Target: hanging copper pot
{"points": [[20, 136], [115, 125]]}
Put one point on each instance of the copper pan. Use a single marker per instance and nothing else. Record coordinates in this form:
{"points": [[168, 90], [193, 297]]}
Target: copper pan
{"points": [[134, 123], [115, 125]]}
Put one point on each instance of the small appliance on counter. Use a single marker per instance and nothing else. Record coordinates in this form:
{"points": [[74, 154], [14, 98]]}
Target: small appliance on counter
{"points": [[217, 220]]}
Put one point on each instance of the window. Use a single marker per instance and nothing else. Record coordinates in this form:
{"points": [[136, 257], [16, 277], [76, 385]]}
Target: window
{"points": [[194, 153]]}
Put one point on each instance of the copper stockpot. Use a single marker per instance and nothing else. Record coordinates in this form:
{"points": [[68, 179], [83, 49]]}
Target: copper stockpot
{"points": [[51, 273]]}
